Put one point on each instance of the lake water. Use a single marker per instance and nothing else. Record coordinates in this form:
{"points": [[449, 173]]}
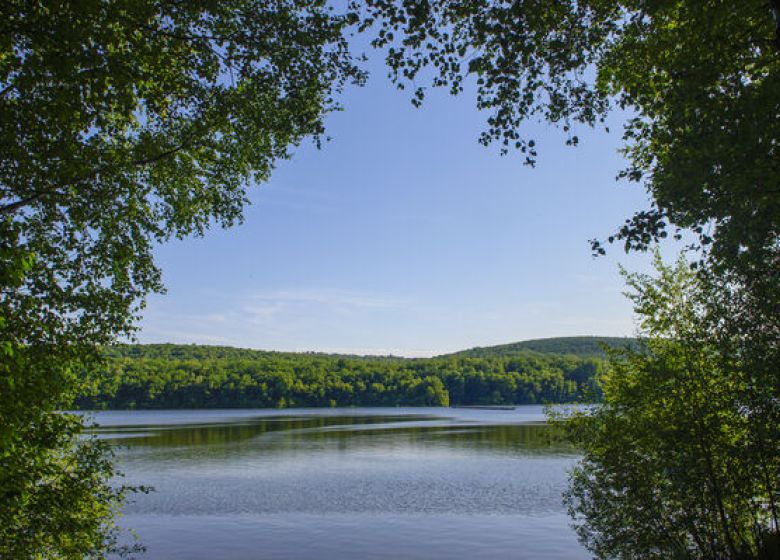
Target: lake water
{"points": [[427, 483]]}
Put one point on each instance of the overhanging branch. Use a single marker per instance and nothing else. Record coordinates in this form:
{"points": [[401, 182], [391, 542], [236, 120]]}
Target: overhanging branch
{"points": [[21, 203]]}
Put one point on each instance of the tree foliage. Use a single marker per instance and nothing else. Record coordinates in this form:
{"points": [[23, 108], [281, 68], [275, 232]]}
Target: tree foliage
{"points": [[580, 346], [56, 499], [173, 376], [698, 81], [123, 124], [682, 458]]}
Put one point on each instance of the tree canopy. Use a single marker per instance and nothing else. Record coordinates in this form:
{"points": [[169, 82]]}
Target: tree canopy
{"points": [[123, 124], [179, 376], [581, 346], [699, 83], [681, 457]]}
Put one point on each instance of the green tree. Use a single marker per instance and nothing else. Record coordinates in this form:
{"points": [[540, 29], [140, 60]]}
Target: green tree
{"points": [[55, 497], [173, 376], [123, 124], [681, 458], [699, 81]]}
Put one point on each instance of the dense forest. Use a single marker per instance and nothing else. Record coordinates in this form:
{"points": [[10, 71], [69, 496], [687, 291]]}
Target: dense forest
{"points": [[582, 346], [190, 376]]}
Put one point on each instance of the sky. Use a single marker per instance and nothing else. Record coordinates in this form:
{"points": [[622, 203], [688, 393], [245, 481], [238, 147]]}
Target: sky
{"points": [[403, 235]]}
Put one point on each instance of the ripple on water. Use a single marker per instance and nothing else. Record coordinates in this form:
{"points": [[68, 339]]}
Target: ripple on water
{"points": [[346, 484]]}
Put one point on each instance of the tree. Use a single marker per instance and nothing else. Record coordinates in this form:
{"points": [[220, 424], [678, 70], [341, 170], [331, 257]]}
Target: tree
{"points": [[699, 81], [681, 459], [123, 124]]}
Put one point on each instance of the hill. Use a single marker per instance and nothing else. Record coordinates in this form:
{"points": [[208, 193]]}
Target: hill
{"points": [[201, 352], [194, 376], [580, 346]]}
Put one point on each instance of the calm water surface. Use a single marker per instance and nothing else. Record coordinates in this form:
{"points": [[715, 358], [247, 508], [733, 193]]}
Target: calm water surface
{"points": [[427, 483]]}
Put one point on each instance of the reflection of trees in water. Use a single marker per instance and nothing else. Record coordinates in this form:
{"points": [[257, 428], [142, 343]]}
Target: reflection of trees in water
{"points": [[519, 437], [350, 432], [522, 438], [221, 433]]}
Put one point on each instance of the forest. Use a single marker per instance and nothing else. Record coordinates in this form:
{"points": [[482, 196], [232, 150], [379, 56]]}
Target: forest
{"points": [[582, 346], [191, 376], [127, 125]]}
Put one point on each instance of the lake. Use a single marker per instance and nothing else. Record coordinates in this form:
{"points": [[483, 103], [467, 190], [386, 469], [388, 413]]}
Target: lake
{"points": [[427, 483]]}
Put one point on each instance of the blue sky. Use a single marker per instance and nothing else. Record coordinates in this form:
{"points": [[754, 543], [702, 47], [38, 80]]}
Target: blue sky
{"points": [[403, 235]]}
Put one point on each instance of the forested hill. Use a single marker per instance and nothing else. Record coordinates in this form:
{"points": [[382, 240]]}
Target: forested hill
{"points": [[191, 376], [207, 352], [582, 346]]}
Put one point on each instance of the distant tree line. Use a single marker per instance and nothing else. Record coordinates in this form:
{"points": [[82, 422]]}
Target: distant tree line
{"points": [[173, 376], [582, 346]]}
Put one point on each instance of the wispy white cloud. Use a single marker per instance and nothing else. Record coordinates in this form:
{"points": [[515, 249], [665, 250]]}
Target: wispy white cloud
{"points": [[272, 306], [152, 334], [296, 197], [332, 297], [346, 321], [303, 319]]}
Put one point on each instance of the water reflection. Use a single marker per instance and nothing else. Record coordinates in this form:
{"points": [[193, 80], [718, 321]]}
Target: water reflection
{"points": [[342, 476], [342, 432]]}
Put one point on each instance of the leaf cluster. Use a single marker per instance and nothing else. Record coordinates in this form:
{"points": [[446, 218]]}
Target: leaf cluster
{"points": [[682, 458], [124, 124], [697, 83]]}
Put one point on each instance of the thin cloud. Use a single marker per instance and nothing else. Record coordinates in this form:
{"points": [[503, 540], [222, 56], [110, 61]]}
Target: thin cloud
{"points": [[326, 297], [154, 335]]}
